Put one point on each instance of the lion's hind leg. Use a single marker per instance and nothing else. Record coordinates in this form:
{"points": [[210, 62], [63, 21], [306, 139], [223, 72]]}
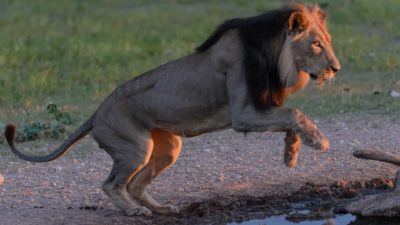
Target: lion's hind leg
{"points": [[165, 152], [130, 155], [116, 191]]}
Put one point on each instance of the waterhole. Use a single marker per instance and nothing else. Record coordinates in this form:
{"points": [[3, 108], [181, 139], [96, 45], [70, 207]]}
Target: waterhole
{"points": [[285, 220]]}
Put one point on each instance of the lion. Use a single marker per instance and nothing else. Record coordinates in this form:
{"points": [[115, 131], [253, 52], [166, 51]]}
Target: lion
{"points": [[238, 78]]}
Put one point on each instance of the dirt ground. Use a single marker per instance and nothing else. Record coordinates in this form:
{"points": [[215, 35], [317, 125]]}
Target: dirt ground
{"points": [[220, 177]]}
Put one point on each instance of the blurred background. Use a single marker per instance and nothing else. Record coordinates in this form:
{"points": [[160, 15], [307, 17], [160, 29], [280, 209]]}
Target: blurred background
{"points": [[73, 53]]}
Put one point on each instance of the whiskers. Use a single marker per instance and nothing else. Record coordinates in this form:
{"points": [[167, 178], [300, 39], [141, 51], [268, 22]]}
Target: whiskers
{"points": [[319, 85], [324, 78], [332, 81]]}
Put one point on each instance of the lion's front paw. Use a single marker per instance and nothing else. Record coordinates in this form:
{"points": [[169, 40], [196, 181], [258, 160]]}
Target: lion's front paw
{"points": [[323, 145], [290, 159], [138, 211], [317, 141], [168, 209]]}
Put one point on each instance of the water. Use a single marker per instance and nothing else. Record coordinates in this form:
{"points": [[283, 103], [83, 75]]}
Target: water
{"points": [[281, 220]]}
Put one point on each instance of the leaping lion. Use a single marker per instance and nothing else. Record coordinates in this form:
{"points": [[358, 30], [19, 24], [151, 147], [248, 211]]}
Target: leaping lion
{"points": [[238, 78]]}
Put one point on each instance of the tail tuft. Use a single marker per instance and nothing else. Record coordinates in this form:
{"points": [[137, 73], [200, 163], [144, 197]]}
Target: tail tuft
{"points": [[10, 133]]}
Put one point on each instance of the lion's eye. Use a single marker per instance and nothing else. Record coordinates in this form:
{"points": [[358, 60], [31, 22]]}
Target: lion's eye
{"points": [[317, 43]]}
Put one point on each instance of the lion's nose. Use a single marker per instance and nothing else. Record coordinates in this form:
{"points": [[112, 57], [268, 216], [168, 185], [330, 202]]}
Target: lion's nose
{"points": [[335, 65], [334, 69]]}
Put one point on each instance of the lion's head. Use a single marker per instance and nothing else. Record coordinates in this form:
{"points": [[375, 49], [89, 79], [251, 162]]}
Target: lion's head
{"points": [[308, 46], [282, 49]]}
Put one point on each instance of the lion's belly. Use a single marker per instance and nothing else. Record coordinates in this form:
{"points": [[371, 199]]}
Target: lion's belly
{"points": [[189, 127]]}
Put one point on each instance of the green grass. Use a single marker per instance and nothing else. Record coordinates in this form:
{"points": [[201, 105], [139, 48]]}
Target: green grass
{"points": [[75, 52]]}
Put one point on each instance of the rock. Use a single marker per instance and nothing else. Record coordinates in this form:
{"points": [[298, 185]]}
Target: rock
{"points": [[394, 94], [385, 204]]}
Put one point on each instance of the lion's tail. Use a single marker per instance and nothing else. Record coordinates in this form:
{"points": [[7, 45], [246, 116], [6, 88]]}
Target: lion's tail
{"points": [[81, 132]]}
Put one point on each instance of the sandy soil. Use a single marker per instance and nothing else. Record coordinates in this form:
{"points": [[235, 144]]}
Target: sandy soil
{"points": [[221, 165]]}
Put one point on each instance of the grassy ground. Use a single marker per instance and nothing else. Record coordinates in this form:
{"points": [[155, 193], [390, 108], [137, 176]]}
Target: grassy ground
{"points": [[75, 52]]}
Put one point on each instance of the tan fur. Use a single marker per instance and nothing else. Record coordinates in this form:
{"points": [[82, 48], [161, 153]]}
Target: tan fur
{"points": [[139, 124], [292, 149]]}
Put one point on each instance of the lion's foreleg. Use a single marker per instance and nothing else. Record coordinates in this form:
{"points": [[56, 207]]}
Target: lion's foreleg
{"points": [[292, 149], [310, 134], [281, 119]]}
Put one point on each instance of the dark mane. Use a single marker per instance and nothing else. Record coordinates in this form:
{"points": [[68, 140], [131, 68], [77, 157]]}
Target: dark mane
{"points": [[262, 38], [217, 34]]}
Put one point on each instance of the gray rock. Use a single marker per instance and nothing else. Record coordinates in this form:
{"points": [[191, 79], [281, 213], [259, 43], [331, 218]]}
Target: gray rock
{"points": [[385, 204]]}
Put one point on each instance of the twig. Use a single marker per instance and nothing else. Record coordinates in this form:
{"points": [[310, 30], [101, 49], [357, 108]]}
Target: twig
{"points": [[379, 156]]}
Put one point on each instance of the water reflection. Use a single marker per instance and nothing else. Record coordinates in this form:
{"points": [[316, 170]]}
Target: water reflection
{"points": [[281, 220]]}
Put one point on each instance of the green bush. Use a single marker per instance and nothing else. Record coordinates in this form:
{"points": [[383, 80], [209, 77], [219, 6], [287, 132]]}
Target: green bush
{"points": [[55, 127]]}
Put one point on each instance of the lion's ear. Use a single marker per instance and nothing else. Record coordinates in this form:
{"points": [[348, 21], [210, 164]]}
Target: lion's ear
{"points": [[297, 22], [322, 17]]}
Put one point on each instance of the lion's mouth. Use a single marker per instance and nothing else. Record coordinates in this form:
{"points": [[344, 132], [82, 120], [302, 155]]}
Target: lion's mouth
{"points": [[313, 76], [319, 79]]}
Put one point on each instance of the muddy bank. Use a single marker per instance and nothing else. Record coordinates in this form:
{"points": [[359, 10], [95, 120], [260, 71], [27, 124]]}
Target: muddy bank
{"points": [[319, 200]]}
